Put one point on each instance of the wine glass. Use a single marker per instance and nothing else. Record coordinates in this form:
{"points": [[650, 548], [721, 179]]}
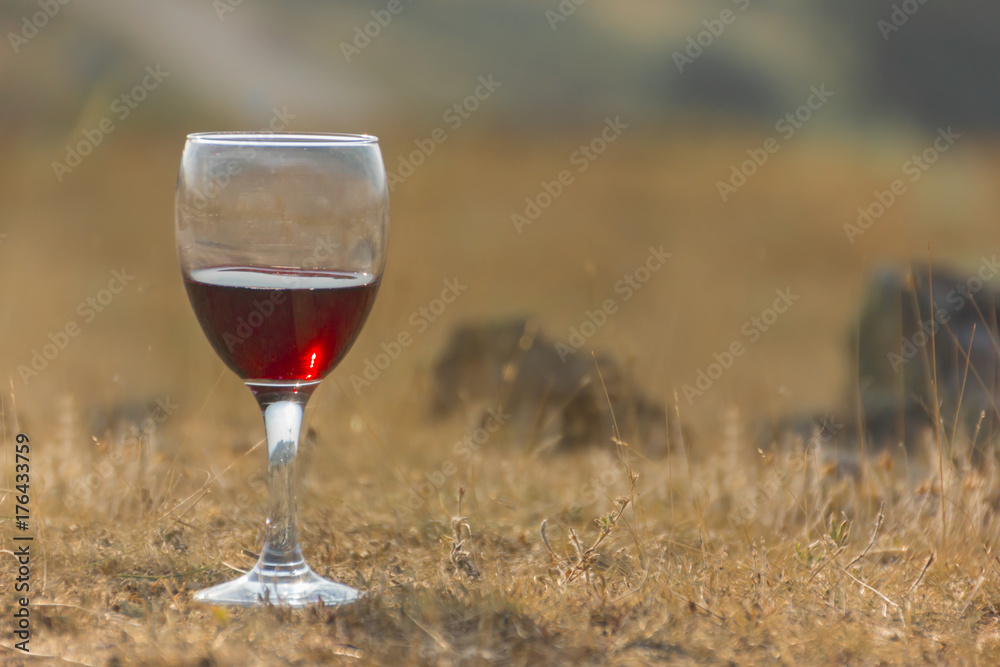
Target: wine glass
{"points": [[282, 243]]}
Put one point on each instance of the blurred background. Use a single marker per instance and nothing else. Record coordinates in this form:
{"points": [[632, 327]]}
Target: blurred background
{"points": [[838, 97]]}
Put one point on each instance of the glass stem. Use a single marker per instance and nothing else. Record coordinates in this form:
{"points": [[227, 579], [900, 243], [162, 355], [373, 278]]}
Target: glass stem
{"points": [[281, 556], [281, 576]]}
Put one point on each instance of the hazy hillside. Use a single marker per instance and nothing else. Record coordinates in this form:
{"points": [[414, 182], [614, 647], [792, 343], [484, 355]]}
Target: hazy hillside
{"points": [[636, 57]]}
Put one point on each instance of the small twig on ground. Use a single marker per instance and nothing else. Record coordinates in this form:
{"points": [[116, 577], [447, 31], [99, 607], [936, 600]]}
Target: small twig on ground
{"points": [[871, 543], [920, 578], [877, 592]]}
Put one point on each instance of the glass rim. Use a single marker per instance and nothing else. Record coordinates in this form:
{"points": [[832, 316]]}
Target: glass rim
{"points": [[282, 139]]}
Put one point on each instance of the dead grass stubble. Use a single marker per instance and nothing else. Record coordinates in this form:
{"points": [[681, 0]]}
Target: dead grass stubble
{"points": [[824, 569]]}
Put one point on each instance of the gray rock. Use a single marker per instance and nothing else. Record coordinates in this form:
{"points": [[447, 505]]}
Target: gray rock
{"points": [[912, 355], [552, 401], [900, 372]]}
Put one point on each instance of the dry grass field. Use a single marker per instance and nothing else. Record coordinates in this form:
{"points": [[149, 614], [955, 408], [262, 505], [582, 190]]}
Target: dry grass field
{"points": [[715, 553]]}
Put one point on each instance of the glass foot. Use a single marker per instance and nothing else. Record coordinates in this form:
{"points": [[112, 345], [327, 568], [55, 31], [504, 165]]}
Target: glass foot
{"points": [[281, 586]]}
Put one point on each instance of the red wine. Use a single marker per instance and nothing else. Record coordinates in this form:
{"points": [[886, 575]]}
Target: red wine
{"points": [[280, 324]]}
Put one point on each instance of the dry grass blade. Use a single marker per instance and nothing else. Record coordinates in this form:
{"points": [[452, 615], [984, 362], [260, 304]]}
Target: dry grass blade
{"points": [[871, 542], [874, 590], [920, 577]]}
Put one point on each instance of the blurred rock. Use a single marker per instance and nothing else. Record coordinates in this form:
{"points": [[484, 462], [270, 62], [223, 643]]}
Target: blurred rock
{"points": [[924, 336], [928, 335], [512, 367], [129, 419]]}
